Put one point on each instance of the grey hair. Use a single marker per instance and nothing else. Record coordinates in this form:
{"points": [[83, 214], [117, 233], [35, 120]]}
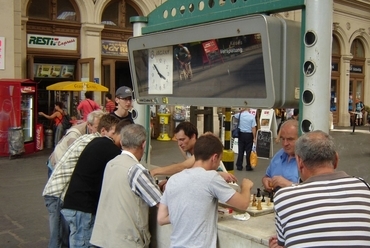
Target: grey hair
{"points": [[315, 148], [132, 136], [96, 114], [290, 122]]}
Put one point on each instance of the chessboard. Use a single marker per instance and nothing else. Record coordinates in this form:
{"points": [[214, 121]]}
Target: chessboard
{"points": [[266, 207]]}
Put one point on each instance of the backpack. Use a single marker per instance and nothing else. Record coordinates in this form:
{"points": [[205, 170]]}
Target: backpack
{"points": [[66, 121]]}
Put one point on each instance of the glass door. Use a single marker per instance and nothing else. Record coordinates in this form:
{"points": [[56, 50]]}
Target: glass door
{"points": [[27, 122], [334, 92]]}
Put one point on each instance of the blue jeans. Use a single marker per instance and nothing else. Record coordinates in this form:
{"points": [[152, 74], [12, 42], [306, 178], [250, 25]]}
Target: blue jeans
{"points": [[81, 225], [59, 231], [59, 132]]}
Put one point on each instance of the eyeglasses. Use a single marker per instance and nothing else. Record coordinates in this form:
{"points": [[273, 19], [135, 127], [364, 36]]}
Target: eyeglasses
{"points": [[126, 98]]}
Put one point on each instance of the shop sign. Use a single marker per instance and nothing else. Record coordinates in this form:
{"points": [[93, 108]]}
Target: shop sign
{"points": [[53, 71], [355, 68], [28, 89], [51, 42], [115, 48], [2, 52]]}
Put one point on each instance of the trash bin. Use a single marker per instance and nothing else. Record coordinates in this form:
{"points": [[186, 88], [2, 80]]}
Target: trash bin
{"points": [[49, 138], [16, 141]]}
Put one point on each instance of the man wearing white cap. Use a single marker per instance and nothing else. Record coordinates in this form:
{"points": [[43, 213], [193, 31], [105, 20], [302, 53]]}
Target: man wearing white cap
{"points": [[124, 104]]}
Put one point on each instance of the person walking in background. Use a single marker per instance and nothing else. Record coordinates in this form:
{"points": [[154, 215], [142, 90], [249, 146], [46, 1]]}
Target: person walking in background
{"points": [[247, 136], [87, 105], [359, 108], [57, 117], [329, 208], [109, 104]]}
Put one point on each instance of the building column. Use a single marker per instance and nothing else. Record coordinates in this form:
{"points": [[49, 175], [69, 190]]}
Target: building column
{"points": [[91, 48], [344, 116]]}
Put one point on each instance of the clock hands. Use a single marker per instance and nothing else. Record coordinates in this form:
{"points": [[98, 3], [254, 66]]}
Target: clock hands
{"points": [[159, 74]]}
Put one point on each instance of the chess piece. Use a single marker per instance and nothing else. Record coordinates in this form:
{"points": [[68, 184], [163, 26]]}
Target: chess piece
{"points": [[254, 201], [263, 198], [259, 206], [272, 198], [258, 192], [268, 202]]}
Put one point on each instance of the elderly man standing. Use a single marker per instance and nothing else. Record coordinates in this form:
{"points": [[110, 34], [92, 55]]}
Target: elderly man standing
{"points": [[127, 192], [329, 209], [282, 171]]}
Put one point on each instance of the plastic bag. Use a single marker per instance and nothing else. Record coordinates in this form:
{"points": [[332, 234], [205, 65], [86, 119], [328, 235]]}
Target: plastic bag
{"points": [[253, 157]]}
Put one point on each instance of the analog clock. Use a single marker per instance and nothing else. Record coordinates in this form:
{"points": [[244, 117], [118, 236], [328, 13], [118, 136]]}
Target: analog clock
{"points": [[160, 70]]}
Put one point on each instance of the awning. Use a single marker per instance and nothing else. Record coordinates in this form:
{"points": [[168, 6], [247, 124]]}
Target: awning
{"points": [[77, 86]]}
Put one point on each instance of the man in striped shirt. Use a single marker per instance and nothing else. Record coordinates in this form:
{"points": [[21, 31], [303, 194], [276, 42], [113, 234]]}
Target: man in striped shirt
{"points": [[329, 209]]}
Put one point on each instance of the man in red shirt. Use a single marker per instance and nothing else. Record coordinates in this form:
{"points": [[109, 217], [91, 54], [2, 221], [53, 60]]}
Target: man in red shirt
{"points": [[109, 105], [87, 105]]}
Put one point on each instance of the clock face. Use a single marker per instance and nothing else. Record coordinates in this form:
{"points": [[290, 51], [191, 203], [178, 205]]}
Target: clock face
{"points": [[160, 70]]}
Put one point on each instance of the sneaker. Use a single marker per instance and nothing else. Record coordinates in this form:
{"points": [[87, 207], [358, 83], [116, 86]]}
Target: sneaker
{"points": [[248, 168], [239, 168]]}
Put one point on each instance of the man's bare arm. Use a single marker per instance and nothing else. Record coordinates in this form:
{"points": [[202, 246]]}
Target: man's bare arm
{"points": [[163, 216], [173, 168]]}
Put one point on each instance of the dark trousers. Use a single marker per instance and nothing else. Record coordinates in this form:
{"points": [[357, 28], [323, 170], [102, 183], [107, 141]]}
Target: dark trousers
{"points": [[245, 143]]}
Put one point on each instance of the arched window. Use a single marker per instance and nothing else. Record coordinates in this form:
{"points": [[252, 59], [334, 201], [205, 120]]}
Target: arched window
{"points": [[357, 49], [335, 50], [39, 9], [54, 10], [117, 13]]}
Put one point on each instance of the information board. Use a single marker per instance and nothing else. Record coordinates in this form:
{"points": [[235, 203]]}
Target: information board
{"points": [[264, 144]]}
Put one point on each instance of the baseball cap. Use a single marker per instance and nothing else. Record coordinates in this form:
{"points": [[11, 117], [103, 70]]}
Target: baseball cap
{"points": [[123, 92]]}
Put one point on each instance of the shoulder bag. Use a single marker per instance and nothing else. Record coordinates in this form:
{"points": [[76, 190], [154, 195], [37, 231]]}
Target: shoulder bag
{"points": [[236, 131]]}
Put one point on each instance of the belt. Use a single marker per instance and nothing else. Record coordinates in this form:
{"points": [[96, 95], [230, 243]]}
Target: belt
{"points": [[246, 132]]}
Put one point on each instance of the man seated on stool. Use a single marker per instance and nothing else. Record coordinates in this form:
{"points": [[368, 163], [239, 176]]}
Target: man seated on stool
{"points": [[283, 171], [187, 134]]}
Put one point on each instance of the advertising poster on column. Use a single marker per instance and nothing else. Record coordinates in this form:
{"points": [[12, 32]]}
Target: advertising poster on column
{"points": [[2, 53]]}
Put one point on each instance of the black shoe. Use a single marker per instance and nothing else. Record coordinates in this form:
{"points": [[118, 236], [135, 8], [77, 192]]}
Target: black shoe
{"points": [[239, 168], [248, 168]]}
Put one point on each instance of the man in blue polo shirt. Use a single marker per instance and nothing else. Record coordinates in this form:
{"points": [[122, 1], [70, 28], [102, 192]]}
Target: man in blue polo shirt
{"points": [[283, 171]]}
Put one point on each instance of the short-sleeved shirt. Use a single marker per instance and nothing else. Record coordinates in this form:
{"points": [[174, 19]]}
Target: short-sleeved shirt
{"points": [[192, 199], [128, 117], [247, 121], [280, 166], [87, 106], [110, 106]]}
